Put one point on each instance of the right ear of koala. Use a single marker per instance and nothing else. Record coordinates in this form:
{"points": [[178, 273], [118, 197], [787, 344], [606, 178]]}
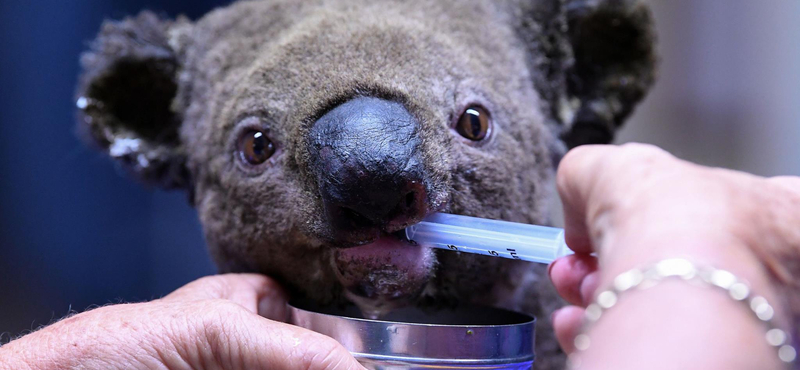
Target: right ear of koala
{"points": [[125, 98], [598, 60]]}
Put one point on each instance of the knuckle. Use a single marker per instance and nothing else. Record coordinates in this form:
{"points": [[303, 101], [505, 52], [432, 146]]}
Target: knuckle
{"points": [[217, 327], [575, 163], [213, 282], [214, 317], [642, 165], [326, 354], [578, 155], [199, 288], [219, 308], [644, 154]]}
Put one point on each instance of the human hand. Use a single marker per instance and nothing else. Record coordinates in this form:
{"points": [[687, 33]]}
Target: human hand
{"points": [[226, 322], [636, 204]]}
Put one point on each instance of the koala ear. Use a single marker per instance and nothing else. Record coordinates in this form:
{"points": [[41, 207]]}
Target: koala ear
{"points": [[613, 63], [126, 95]]}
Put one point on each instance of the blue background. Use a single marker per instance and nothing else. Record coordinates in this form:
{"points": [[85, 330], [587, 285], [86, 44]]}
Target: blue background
{"points": [[75, 230]]}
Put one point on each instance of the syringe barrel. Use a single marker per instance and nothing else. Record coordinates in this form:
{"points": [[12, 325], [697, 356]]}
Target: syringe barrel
{"points": [[490, 237]]}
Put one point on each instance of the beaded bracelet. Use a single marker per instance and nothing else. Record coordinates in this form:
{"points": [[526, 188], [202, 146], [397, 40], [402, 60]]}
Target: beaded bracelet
{"points": [[682, 269]]}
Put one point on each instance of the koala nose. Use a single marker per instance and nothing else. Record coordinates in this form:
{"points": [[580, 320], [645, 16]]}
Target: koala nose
{"points": [[365, 155]]}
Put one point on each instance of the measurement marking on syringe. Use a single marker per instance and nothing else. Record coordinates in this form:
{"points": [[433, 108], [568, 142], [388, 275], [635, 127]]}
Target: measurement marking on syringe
{"points": [[509, 253], [512, 252]]}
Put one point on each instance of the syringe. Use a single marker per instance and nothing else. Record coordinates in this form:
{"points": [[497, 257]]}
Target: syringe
{"points": [[490, 237]]}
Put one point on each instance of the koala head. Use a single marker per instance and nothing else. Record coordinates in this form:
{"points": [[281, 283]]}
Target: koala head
{"points": [[308, 133]]}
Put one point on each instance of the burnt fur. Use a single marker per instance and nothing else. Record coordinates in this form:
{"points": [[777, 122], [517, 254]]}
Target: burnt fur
{"points": [[167, 98]]}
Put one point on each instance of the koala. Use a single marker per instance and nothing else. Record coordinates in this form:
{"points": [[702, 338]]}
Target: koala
{"points": [[309, 134]]}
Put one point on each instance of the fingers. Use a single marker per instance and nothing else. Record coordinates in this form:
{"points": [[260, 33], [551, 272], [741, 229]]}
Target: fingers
{"points": [[567, 323], [636, 204], [574, 180], [598, 182], [238, 339], [575, 278], [256, 293]]}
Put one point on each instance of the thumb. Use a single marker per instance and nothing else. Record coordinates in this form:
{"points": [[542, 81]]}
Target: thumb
{"points": [[576, 180], [256, 293], [597, 183]]}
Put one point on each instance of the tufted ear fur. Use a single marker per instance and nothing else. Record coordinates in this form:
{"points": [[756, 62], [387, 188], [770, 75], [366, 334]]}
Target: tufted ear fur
{"points": [[126, 95], [598, 58]]}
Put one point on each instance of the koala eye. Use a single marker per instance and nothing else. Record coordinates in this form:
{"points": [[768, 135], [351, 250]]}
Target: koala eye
{"points": [[255, 147], [474, 123]]}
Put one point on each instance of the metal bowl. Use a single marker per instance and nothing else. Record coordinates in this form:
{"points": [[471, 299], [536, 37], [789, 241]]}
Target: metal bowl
{"points": [[463, 338]]}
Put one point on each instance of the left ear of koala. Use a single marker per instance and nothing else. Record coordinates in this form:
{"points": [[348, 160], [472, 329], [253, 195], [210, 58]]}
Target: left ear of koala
{"points": [[126, 96], [597, 60], [613, 43]]}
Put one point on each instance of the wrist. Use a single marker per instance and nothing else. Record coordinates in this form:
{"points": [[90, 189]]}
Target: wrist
{"points": [[677, 325], [710, 308], [720, 250]]}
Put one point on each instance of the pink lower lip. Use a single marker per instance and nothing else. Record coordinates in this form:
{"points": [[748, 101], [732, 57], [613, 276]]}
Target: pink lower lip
{"points": [[386, 272], [380, 238], [387, 251]]}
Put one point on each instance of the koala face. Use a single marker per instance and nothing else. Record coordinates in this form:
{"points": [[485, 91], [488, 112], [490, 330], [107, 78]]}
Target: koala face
{"points": [[310, 134], [360, 106]]}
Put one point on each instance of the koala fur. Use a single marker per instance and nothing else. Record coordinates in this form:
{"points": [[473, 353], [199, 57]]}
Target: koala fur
{"points": [[167, 98]]}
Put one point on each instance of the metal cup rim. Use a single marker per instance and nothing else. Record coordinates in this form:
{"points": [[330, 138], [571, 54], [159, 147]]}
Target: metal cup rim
{"points": [[397, 342], [530, 320]]}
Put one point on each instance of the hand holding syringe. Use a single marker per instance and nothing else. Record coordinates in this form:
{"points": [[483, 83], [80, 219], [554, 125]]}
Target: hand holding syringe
{"points": [[490, 237]]}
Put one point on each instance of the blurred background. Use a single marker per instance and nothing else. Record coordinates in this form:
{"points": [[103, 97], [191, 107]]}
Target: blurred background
{"points": [[75, 232]]}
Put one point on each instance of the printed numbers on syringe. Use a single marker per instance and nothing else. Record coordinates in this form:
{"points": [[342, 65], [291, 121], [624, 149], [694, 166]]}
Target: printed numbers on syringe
{"points": [[512, 253]]}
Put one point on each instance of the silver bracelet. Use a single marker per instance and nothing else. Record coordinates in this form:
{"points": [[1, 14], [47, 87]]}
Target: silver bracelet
{"points": [[682, 269]]}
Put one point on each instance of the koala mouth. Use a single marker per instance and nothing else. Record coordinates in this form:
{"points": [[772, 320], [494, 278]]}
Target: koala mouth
{"points": [[387, 273]]}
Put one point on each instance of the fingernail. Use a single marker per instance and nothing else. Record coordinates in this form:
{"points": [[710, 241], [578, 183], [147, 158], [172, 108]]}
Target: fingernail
{"points": [[578, 265], [553, 315], [273, 306], [550, 267]]}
